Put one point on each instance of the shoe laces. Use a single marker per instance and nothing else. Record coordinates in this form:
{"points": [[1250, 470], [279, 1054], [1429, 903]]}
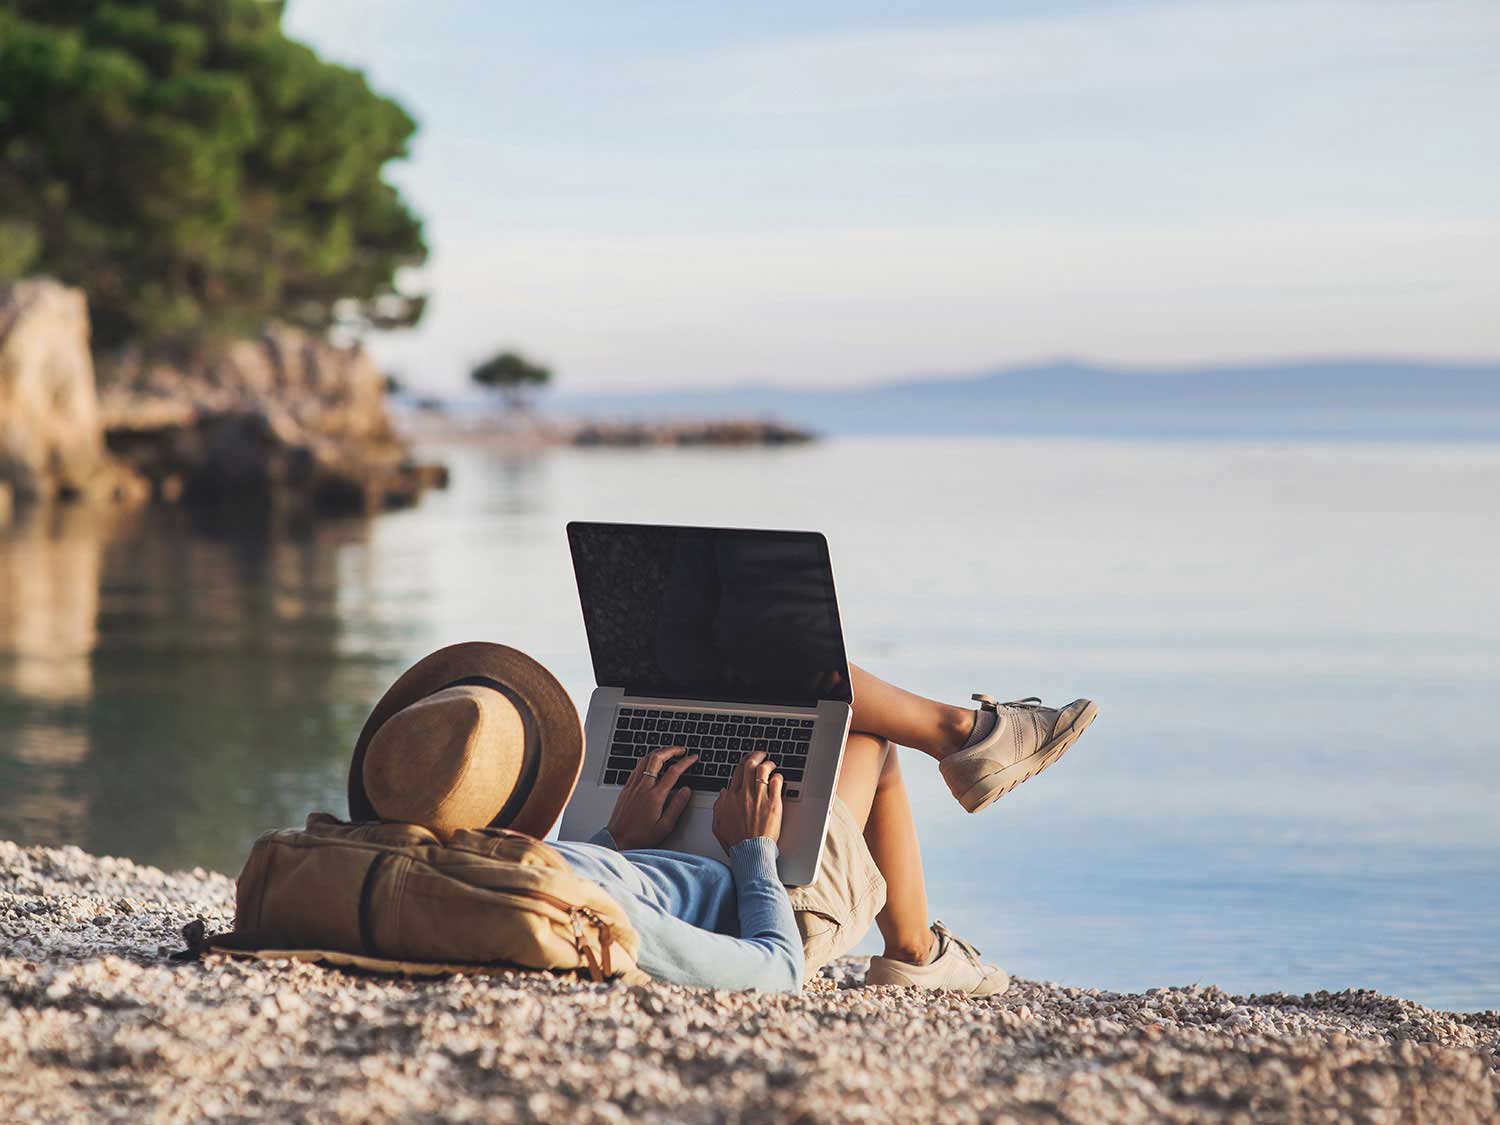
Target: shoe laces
{"points": [[989, 701], [944, 934]]}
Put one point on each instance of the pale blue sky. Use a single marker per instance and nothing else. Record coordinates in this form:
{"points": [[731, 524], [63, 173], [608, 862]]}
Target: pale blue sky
{"points": [[671, 193]]}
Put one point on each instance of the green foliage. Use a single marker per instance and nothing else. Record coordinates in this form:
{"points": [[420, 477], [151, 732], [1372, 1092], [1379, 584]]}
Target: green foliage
{"points": [[512, 374], [197, 172]]}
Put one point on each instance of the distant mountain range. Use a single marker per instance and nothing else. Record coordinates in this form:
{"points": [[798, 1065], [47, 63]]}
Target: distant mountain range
{"points": [[1350, 399]]}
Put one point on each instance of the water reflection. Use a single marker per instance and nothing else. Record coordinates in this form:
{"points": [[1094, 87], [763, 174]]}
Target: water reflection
{"points": [[173, 684], [1292, 784], [49, 601]]}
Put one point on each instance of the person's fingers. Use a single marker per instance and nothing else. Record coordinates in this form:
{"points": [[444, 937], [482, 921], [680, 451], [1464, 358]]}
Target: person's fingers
{"points": [[774, 788], [671, 812], [638, 776], [659, 758], [655, 762], [670, 775], [764, 770], [743, 771]]}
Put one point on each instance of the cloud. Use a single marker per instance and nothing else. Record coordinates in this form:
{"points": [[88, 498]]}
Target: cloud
{"points": [[1092, 52], [1136, 182]]}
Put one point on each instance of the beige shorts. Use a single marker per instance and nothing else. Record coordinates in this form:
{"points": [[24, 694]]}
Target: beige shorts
{"points": [[835, 910]]}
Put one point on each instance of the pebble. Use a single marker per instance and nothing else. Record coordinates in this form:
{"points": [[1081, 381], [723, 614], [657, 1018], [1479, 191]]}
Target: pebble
{"points": [[96, 1024]]}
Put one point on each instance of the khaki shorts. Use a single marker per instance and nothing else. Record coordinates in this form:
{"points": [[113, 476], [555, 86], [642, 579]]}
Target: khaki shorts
{"points": [[835, 910]]}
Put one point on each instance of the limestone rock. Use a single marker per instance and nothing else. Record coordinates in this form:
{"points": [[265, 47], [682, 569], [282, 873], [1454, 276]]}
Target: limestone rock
{"points": [[284, 419], [50, 438]]}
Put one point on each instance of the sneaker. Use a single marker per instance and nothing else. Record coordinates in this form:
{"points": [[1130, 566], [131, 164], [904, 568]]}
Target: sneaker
{"points": [[955, 966], [1025, 740]]}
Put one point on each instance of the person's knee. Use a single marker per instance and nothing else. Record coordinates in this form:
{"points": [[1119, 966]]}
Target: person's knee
{"points": [[865, 756], [890, 768], [862, 743]]}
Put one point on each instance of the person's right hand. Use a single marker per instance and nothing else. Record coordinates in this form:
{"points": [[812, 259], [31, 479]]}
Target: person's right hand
{"points": [[750, 805], [648, 808]]}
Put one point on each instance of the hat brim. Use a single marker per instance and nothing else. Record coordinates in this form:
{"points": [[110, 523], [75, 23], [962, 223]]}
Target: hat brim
{"points": [[558, 730]]}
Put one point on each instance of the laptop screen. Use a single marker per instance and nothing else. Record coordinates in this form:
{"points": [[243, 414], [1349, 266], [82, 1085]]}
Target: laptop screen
{"points": [[711, 613]]}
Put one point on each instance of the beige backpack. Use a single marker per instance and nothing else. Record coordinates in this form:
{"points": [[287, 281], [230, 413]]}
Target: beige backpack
{"points": [[396, 898]]}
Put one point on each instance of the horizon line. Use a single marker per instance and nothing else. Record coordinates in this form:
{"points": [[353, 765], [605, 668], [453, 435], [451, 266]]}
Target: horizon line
{"points": [[1064, 362]]}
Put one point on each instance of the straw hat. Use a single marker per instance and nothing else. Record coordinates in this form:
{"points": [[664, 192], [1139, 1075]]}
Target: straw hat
{"points": [[471, 736]]}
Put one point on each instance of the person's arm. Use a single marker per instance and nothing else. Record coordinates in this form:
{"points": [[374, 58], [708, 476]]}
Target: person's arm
{"points": [[767, 954], [766, 918], [747, 822], [604, 840]]}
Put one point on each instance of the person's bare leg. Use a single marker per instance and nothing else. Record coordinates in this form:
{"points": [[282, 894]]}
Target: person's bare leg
{"points": [[891, 834], [907, 719], [870, 784], [859, 774]]}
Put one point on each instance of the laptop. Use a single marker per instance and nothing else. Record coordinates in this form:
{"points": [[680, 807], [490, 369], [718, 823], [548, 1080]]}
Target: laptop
{"points": [[722, 640]]}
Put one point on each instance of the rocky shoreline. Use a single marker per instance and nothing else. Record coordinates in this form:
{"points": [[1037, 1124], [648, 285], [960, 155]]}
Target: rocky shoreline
{"points": [[96, 1023], [436, 428], [284, 421]]}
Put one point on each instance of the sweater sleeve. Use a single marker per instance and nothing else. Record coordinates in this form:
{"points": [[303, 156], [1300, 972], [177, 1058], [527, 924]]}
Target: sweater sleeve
{"points": [[766, 918], [768, 953]]}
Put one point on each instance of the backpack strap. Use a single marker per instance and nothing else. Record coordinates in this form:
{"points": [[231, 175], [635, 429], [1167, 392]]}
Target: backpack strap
{"points": [[195, 936], [366, 897], [599, 967]]}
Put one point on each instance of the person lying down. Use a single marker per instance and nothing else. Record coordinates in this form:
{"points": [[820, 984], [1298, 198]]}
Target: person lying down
{"points": [[427, 755]]}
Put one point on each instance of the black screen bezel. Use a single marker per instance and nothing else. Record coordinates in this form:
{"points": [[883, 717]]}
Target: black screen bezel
{"points": [[661, 692]]}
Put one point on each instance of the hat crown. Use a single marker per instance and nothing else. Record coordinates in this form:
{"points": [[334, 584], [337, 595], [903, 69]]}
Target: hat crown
{"points": [[447, 761], [511, 702]]}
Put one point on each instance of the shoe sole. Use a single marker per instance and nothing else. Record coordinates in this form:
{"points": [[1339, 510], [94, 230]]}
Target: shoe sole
{"points": [[999, 784], [992, 985]]}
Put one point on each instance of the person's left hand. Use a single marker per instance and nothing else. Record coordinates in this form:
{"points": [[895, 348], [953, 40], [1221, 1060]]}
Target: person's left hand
{"points": [[648, 808]]}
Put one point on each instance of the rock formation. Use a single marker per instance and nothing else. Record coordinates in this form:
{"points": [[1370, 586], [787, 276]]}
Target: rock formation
{"points": [[51, 444], [284, 419]]}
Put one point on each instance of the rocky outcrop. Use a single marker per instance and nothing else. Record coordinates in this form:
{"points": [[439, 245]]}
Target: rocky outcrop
{"points": [[428, 423], [732, 431], [51, 443], [285, 420]]}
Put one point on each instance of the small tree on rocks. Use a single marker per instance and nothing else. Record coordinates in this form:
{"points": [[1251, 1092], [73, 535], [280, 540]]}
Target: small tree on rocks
{"points": [[513, 375]]}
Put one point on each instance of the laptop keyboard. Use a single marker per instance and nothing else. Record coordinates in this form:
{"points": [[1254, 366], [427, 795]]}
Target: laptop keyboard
{"points": [[719, 738]]}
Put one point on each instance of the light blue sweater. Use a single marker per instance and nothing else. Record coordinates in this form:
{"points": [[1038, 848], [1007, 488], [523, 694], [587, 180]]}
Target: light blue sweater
{"points": [[701, 923]]}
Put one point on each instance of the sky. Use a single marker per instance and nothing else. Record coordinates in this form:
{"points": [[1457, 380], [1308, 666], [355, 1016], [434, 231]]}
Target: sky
{"points": [[650, 195]]}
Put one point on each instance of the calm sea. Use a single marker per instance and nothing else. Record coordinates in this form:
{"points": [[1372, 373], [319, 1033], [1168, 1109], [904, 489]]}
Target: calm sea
{"points": [[1294, 782]]}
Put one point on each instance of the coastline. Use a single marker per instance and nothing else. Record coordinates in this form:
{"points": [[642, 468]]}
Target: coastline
{"points": [[96, 1023], [529, 432]]}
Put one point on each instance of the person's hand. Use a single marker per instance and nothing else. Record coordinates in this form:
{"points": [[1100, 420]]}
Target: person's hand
{"points": [[750, 805], [648, 808]]}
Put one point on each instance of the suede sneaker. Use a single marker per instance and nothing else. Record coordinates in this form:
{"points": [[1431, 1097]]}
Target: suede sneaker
{"points": [[955, 966], [1024, 739]]}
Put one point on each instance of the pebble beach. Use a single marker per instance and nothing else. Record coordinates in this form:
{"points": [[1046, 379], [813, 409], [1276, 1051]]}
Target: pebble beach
{"points": [[96, 1023]]}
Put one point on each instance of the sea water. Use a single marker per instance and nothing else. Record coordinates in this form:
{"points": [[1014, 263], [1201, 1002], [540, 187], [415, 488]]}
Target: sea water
{"points": [[1293, 784]]}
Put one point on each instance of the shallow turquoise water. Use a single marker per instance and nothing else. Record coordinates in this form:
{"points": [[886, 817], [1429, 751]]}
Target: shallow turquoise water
{"points": [[1293, 783]]}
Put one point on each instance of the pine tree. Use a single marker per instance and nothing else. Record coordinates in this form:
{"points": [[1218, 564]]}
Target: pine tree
{"points": [[197, 172]]}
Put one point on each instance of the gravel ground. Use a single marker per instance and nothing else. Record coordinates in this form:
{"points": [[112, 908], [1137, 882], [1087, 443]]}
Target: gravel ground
{"points": [[96, 1024]]}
